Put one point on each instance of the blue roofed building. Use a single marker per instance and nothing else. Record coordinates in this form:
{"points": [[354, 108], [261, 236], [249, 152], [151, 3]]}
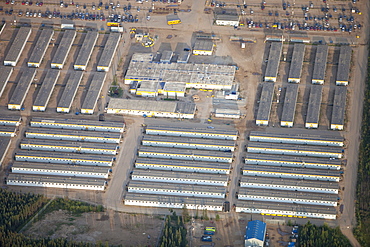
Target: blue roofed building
{"points": [[255, 234]]}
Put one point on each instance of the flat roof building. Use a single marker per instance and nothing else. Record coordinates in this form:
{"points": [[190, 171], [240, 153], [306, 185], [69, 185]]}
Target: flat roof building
{"points": [[70, 91], [108, 53], [64, 47], [166, 56], [339, 108], [77, 124], [344, 64], [4, 147], [85, 53], [93, 93], [255, 234], [264, 108], [296, 63], [17, 46], [173, 19], [318, 76], [10, 120], [290, 100], [56, 182], [183, 57], [313, 110], [21, 89], [292, 161], [8, 131], [41, 46], [47, 87], [273, 61], [148, 108], [5, 74], [226, 17], [203, 47]]}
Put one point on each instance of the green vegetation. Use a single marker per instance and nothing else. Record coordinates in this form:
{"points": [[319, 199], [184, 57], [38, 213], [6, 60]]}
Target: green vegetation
{"points": [[174, 232], [115, 92], [16, 209], [321, 236], [362, 231]]}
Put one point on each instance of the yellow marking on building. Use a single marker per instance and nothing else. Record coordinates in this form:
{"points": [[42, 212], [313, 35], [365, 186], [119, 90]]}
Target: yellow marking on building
{"points": [[287, 138], [294, 174], [86, 126]]}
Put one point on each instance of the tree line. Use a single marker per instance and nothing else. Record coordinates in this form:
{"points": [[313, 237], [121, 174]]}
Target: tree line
{"points": [[174, 232]]}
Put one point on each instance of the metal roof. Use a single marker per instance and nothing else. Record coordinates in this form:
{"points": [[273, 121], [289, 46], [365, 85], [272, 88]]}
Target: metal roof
{"points": [[182, 151], [256, 229], [290, 170], [66, 132], [8, 129], [289, 103], [274, 59], [187, 140], [22, 87], [339, 105], [4, 145], [320, 62], [3, 119], [203, 45], [298, 134], [94, 91], [265, 101], [87, 48], [57, 143], [18, 44], [56, 155], [279, 146], [109, 50], [47, 87], [5, 74], [314, 103], [60, 167], [64, 47], [182, 175], [41, 46], [344, 63], [70, 89], [297, 61]]}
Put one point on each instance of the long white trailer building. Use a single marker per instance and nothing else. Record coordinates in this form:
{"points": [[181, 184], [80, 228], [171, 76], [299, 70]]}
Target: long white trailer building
{"points": [[5, 74], [41, 46], [65, 158], [289, 184], [292, 161], [286, 210], [182, 165], [17, 46], [63, 49], [10, 120], [108, 53], [71, 147], [173, 189], [70, 91], [180, 177], [319, 199], [297, 150], [86, 50], [93, 93], [299, 137], [60, 170], [68, 135], [4, 147], [161, 201], [265, 102], [21, 89], [7, 131], [56, 182], [47, 87], [291, 173], [198, 131], [191, 143], [77, 124], [185, 154]]}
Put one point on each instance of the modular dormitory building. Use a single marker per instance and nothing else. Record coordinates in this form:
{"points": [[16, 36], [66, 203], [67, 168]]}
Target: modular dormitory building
{"points": [[5, 74], [93, 93], [41, 46], [65, 158], [296, 63], [344, 65], [71, 147], [305, 137], [70, 91], [286, 209], [318, 76], [292, 161], [182, 165], [63, 49], [77, 124], [7, 131], [21, 89], [314, 104], [162, 201], [86, 50], [17, 46], [47, 87], [56, 182], [339, 108], [291, 173], [68, 135], [108, 52], [290, 100], [180, 177], [285, 184], [273, 61], [191, 143], [264, 108], [4, 147], [10, 120], [173, 189], [60, 170]]}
